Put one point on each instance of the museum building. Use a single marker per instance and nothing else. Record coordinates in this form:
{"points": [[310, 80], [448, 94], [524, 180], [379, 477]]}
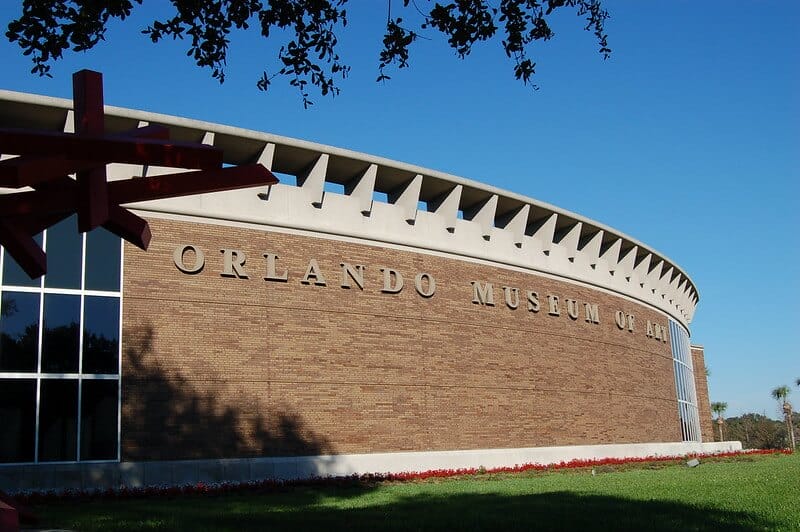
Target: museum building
{"points": [[364, 315]]}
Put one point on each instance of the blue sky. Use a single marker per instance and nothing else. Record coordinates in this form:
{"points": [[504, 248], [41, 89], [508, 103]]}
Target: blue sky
{"points": [[687, 139]]}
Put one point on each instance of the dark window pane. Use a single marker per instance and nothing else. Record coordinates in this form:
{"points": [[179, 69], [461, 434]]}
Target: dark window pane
{"points": [[13, 274], [101, 335], [18, 415], [99, 420], [102, 260], [64, 244], [19, 331], [60, 333], [58, 420]]}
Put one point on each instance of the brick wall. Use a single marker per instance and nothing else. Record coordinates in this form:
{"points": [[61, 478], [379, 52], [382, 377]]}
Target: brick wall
{"points": [[701, 385], [221, 367]]}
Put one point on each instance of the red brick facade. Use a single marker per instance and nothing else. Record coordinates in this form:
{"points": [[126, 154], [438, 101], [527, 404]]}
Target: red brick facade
{"points": [[701, 385], [217, 366]]}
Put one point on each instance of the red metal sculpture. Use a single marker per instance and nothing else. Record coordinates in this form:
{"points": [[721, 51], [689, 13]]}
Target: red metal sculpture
{"points": [[46, 159]]}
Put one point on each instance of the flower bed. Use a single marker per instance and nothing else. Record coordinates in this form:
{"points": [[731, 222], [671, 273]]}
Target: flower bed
{"points": [[266, 485]]}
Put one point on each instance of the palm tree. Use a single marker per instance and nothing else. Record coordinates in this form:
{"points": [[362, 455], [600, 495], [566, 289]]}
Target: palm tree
{"points": [[780, 394], [719, 408]]}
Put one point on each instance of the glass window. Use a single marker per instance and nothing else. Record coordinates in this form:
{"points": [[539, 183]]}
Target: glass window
{"points": [[64, 250], [50, 330], [19, 331], [100, 334], [684, 423], [58, 420], [684, 382], [60, 334], [99, 400], [17, 415], [14, 275], [102, 260]]}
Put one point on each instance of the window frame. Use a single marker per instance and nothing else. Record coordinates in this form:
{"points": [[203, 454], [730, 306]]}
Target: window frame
{"points": [[685, 392], [38, 375]]}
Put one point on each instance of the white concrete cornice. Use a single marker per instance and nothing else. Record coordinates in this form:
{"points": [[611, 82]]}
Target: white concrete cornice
{"points": [[426, 209]]}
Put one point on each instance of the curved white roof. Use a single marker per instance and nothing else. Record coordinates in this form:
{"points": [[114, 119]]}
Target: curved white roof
{"points": [[423, 208]]}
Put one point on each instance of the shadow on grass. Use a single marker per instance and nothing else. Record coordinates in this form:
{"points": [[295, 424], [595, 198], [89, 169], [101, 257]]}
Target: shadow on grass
{"points": [[308, 509]]}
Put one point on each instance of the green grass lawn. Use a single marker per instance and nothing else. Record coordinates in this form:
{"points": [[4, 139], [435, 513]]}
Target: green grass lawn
{"points": [[745, 493]]}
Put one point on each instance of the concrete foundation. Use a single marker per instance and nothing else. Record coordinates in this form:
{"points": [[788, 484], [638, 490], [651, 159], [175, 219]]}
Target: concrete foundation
{"points": [[85, 476]]}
